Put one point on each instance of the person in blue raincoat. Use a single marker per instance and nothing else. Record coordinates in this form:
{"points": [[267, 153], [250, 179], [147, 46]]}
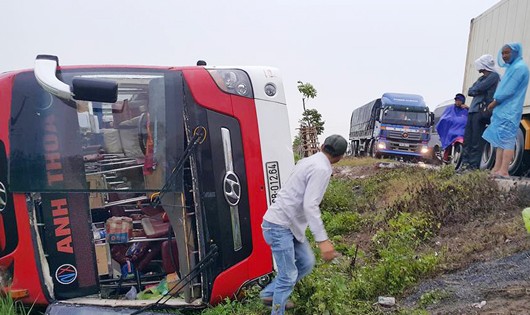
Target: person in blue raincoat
{"points": [[507, 106], [452, 123]]}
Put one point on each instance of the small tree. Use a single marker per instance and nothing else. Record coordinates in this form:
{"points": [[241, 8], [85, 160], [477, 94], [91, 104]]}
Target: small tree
{"points": [[307, 90], [311, 124], [312, 118]]}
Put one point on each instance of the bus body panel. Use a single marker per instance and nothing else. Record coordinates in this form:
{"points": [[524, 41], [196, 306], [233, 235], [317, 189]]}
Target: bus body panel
{"points": [[17, 254], [244, 110]]}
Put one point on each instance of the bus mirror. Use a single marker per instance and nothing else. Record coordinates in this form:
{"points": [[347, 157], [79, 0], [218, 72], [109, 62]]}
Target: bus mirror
{"points": [[95, 90], [45, 69], [83, 89]]}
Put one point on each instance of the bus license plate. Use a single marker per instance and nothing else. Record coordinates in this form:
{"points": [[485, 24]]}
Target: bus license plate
{"points": [[273, 180]]}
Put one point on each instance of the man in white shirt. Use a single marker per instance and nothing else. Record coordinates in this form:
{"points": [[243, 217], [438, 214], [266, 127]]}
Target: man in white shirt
{"points": [[285, 223]]}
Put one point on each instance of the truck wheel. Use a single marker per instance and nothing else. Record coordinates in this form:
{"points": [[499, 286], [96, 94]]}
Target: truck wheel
{"points": [[488, 157], [371, 152], [349, 150], [365, 150], [517, 165]]}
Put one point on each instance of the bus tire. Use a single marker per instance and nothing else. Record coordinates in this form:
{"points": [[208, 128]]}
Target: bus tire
{"points": [[488, 157]]}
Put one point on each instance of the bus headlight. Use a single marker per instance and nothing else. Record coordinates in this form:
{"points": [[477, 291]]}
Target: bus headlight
{"points": [[233, 81]]}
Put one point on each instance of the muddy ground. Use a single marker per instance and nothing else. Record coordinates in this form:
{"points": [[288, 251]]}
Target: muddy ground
{"points": [[489, 267]]}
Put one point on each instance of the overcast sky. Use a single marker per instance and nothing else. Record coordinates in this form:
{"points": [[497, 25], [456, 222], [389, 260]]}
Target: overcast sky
{"points": [[351, 51]]}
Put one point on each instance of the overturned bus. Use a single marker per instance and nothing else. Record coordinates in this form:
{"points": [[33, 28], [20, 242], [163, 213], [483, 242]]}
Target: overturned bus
{"points": [[118, 179]]}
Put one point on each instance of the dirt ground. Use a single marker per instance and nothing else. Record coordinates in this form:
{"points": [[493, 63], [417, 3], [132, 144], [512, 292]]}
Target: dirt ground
{"points": [[489, 269]]}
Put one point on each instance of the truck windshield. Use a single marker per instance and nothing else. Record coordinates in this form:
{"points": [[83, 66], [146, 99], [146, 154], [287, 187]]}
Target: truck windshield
{"points": [[397, 117]]}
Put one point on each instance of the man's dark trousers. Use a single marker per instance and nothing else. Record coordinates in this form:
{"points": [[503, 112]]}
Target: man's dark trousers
{"points": [[473, 141]]}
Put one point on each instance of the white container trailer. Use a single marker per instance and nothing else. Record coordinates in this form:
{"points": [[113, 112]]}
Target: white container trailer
{"points": [[507, 21]]}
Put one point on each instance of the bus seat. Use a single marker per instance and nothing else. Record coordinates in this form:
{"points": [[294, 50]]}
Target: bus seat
{"points": [[128, 131], [170, 264], [123, 139], [154, 226]]}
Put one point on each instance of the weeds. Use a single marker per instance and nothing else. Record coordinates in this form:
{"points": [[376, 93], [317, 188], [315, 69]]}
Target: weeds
{"points": [[8, 306], [389, 219]]}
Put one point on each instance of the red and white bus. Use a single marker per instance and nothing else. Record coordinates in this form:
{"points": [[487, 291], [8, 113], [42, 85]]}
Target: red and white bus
{"points": [[113, 177]]}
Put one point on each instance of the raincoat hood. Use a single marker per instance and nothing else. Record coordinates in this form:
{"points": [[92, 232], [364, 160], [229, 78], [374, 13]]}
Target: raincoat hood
{"points": [[517, 54]]}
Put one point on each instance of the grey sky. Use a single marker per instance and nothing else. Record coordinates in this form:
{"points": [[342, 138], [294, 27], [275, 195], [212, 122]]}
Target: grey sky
{"points": [[351, 51]]}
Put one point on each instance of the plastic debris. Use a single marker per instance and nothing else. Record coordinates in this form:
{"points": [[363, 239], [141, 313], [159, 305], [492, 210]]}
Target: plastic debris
{"points": [[479, 305], [131, 294], [386, 301]]}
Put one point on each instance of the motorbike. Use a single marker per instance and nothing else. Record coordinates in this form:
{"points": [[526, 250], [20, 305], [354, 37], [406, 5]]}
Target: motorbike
{"points": [[453, 153]]}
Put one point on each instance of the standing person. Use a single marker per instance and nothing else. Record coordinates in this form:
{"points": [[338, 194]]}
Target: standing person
{"points": [[286, 220], [507, 106], [482, 92], [452, 123]]}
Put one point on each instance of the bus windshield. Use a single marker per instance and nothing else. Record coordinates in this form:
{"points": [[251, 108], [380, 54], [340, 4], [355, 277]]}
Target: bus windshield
{"points": [[408, 118], [64, 145]]}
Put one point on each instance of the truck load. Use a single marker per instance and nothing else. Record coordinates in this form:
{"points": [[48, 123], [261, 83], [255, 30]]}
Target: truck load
{"points": [[505, 22], [395, 125]]}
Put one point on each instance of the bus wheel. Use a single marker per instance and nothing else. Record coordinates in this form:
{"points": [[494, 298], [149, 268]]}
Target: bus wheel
{"points": [[517, 165], [488, 157]]}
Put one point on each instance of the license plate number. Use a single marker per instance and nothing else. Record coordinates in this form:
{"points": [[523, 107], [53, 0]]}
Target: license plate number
{"points": [[273, 180], [406, 145]]}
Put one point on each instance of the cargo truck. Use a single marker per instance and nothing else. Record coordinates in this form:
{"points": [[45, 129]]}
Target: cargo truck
{"points": [[395, 125], [507, 21]]}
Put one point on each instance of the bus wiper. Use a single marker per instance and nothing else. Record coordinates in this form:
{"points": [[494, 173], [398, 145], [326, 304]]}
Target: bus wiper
{"points": [[199, 135], [196, 271]]}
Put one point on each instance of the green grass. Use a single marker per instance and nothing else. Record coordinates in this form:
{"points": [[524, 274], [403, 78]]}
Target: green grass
{"points": [[394, 214], [10, 307], [390, 219]]}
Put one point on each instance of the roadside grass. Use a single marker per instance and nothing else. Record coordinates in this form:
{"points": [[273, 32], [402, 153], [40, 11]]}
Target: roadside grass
{"points": [[8, 306], [393, 228], [389, 226], [353, 162]]}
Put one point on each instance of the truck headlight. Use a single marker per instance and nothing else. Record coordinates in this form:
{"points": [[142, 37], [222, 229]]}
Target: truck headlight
{"points": [[424, 149], [381, 146]]}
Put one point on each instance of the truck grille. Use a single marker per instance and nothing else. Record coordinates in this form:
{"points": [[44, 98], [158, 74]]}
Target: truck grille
{"points": [[400, 135], [403, 146]]}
